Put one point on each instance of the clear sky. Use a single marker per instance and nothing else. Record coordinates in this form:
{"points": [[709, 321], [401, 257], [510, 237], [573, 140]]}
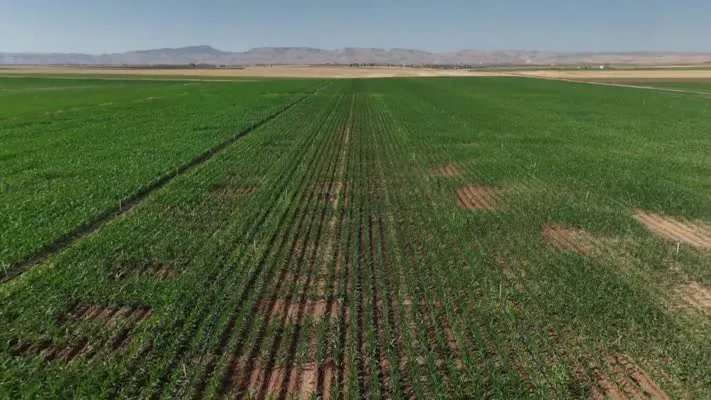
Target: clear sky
{"points": [[102, 26]]}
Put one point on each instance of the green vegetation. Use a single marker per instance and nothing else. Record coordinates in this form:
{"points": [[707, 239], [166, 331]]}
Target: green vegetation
{"points": [[74, 149], [399, 238]]}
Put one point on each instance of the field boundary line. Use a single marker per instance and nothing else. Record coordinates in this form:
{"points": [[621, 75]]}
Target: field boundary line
{"points": [[661, 89], [149, 78], [128, 204]]}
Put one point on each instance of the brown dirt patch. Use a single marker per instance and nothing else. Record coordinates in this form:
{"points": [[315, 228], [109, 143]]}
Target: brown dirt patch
{"points": [[452, 343], [329, 376], [563, 238], [315, 309], [162, 271], [111, 316], [445, 170], [125, 318], [482, 198], [316, 286], [263, 382], [606, 388], [81, 348], [692, 234], [628, 381], [695, 295], [457, 363], [302, 248]]}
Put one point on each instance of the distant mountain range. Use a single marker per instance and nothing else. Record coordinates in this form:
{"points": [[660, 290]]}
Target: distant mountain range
{"points": [[312, 56]]}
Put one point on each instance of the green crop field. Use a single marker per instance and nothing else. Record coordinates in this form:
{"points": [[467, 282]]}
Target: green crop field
{"points": [[486, 238], [73, 150]]}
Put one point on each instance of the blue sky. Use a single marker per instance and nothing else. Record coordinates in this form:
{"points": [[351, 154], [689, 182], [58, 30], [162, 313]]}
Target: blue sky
{"points": [[101, 26]]}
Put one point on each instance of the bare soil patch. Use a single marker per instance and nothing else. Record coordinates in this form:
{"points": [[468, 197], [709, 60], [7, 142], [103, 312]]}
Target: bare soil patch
{"points": [[49, 352], [563, 238], [289, 312], [445, 170], [692, 234], [263, 382], [86, 347], [161, 271], [482, 198], [628, 381], [695, 295], [112, 316], [606, 388], [300, 382]]}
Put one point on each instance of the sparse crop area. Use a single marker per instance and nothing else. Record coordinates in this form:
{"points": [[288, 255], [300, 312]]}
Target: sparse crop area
{"points": [[497, 237]]}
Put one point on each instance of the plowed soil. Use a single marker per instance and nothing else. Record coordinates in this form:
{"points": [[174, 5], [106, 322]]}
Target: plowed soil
{"points": [[125, 318], [481, 198], [445, 170], [626, 381], [317, 310], [695, 295], [563, 238], [272, 383], [695, 235]]}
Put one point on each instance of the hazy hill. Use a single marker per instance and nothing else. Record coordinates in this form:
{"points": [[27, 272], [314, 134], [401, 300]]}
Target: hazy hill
{"points": [[305, 55]]}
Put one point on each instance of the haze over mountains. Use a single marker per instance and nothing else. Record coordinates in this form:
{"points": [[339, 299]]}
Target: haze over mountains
{"points": [[305, 55]]}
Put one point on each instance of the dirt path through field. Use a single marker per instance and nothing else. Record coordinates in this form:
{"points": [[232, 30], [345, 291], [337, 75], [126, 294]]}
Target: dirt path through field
{"points": [[593, 82]]}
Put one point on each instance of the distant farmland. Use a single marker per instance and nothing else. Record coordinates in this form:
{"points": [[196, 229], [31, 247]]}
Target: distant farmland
{"points": [[495, 237]]}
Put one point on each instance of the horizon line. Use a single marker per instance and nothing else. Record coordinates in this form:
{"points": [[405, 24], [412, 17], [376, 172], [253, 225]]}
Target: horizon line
{"points": [[370, 48]]}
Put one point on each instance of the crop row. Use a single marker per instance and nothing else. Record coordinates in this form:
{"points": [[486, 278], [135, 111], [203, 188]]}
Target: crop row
{"points": [[63, 168], [394, 239]]}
